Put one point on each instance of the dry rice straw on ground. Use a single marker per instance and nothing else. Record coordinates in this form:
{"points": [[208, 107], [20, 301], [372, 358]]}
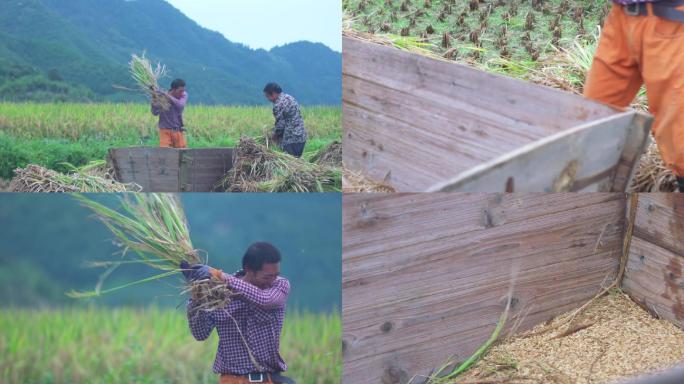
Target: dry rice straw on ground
{"points": [[652, 175], [34, 178], [356, 182]]}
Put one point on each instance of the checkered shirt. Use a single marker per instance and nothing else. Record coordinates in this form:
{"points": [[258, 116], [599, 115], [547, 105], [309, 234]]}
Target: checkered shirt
{"points": [[259, 314]]}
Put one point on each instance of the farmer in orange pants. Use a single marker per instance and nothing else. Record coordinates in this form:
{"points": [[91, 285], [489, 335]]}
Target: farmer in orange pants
{"points": [[171, 131], [643, 43]]}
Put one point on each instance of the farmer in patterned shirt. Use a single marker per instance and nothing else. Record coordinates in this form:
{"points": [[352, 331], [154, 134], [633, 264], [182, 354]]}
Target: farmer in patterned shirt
{"points": [[289, 129], [249, 327], [171, 121], [643, 43]]}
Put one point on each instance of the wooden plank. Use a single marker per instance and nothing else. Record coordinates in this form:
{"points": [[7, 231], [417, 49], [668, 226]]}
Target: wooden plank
{"points": [[654, 276], [671, 376], [638, 139], [660, 220], [425, 275], [202, 168], [437, 80], [154, 169], [418, 123], [584, 158]]}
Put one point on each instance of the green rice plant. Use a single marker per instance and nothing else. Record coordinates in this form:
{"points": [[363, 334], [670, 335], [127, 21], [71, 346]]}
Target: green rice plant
{"points": [[147, 78], [444, 374], [154, 229], [149, 345]]}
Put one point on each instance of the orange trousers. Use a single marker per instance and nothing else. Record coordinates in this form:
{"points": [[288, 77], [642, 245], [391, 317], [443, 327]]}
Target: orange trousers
{"points": [[230, 379], [171, 139], [636, 50]]}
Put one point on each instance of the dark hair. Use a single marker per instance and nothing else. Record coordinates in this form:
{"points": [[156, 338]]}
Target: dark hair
{"points": [[272, 88], [259, 253], [177, 84]]}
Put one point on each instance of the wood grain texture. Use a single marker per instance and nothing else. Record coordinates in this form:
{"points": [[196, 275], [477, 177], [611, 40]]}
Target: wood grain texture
{"points": [[170, 169], [415, 122], [581, 159], [425, 276], [655, 271]]}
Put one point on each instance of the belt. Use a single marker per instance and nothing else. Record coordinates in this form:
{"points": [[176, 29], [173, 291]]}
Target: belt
{"points": [[667, 9], [276, 378]]}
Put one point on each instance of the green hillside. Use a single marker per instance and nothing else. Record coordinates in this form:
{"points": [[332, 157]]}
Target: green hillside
{"points": [[77, 50], [47, 239]]}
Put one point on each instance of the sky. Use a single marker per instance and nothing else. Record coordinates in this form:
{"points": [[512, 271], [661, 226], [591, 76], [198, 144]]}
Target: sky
{"points": [[269, 23]]}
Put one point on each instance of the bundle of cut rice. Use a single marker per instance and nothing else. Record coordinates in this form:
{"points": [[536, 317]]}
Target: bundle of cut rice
{"points": [[94, 177], [153, 230], [331, 155], [147, 78], [257, 168]]}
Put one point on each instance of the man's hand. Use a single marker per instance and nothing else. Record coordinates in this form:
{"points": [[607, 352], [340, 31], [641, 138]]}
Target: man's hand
{"points": [[200, 272]]}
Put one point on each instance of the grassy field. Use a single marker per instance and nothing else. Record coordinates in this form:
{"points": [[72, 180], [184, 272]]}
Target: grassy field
{"points": [[145, 346], [50, 134], [481, 30]]}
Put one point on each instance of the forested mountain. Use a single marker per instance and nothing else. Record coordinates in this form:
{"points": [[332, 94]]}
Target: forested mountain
{"points": [[78, 50]]}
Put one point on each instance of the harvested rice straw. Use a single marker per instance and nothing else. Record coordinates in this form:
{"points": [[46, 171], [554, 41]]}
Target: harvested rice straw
{"points": [[331, 155], [152, 228], [94, 177], [653, 175], [259, 169], [147, 78], [356, 182]]}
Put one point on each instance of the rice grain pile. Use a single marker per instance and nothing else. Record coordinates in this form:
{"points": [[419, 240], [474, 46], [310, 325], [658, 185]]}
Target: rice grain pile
{"points": [[153, 231], [34, 178], [257, 168], [612, 339]]}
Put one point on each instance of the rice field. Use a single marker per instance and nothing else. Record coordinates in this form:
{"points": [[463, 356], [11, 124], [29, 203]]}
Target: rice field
{"points": [[145, 346], [134, 122], [51, 134], [479, 30]]}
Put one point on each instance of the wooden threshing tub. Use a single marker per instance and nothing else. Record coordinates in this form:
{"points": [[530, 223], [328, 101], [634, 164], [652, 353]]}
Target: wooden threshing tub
{"points": [[171, 170], [424, 124], [425, 276]]}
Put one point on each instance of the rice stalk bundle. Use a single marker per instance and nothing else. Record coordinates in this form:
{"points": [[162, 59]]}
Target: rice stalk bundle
{"points": [[652, 174], [331, 155], [257, 168], [153, 231], [147, 78], [94, 177]]}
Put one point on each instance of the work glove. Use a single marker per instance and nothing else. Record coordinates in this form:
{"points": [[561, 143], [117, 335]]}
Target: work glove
{"points": [[199, 272]]}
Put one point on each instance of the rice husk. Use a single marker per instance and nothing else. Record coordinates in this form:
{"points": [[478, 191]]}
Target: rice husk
{"points": [[34, 178], [613, 338]]}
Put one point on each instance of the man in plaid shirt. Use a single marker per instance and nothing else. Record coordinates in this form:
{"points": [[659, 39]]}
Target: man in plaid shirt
{"points": [[249, 327]]}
